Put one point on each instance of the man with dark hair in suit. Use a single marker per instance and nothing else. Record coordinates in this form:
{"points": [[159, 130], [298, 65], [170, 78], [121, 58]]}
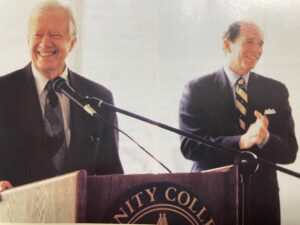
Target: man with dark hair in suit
{"points": [[244, 110], [43, 133]]}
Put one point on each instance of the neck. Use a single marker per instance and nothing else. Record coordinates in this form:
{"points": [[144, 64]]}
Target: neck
{"points": [[51, 73], [238, 71]]}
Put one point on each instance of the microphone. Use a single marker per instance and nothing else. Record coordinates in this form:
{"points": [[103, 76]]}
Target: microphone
{"points": [[59, 84]]}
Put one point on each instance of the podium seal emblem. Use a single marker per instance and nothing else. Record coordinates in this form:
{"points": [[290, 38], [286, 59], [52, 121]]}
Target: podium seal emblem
{"points": [[162, 204]]}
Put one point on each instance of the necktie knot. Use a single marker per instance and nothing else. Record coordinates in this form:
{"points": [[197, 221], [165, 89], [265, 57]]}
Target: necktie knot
{"points": [[49, 85], [241, 81]]}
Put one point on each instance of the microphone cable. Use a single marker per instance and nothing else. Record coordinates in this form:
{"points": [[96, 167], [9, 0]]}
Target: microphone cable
{"points": [[98, 116]]}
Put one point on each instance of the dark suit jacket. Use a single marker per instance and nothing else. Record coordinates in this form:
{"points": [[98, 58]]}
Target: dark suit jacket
{"points": [[207, 109], [24, 153]]}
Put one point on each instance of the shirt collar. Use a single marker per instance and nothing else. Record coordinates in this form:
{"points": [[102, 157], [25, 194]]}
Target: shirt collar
{"points": [[41, 81], [233, 77]]}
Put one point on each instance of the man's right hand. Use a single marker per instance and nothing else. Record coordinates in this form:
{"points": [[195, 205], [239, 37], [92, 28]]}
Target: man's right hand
{"points": [[257, 132], [5, 185]]}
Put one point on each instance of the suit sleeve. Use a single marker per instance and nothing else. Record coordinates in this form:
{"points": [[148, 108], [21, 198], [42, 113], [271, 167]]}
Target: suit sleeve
{"points": [[282, 145], [196, 114]]}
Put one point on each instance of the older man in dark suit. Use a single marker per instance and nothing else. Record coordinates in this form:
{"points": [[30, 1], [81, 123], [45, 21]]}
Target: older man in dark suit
{"points": [[244, 110], [42, 133]]}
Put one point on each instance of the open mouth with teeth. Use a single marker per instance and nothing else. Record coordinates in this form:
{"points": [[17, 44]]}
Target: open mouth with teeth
{"points": [[46, 54], [252, 58]]}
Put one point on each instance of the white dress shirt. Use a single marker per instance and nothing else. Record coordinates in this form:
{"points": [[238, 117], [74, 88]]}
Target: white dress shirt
{"points": [[233, 77]]}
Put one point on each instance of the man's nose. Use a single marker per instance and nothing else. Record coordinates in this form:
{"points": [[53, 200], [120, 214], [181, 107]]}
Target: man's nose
{"points": [[46, 41]]}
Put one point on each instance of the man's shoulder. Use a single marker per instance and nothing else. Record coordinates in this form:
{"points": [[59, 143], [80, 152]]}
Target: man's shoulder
{"points": [[88, 87], [86, 82], [15, 80], [267, 81], [215, 78], [17, 74]]}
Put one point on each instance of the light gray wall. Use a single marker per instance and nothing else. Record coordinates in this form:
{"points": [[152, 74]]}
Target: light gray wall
{"points": [[146, 50]]}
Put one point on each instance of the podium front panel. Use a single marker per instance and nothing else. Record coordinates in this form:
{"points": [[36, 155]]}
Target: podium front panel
{"points": [[217, 190]]}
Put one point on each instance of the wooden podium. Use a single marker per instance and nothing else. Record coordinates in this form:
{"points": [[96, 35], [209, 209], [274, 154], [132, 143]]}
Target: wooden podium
{"points": [[76, 197], [61, 200]]}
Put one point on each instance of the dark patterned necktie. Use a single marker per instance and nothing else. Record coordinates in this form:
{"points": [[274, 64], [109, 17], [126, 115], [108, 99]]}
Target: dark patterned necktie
{"points": [[241, 101], [54, 127]]}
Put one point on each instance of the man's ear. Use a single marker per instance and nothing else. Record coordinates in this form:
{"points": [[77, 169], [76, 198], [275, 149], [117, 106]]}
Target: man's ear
{"points": [[227, 46], [73, 42]]}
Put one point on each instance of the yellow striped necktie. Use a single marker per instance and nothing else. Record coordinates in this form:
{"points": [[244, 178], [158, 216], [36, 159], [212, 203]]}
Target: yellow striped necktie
{"points": [[241, 101]]}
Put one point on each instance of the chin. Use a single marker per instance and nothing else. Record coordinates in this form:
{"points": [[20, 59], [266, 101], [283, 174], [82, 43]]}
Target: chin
{"points": [[250, 66], [46, 65]]}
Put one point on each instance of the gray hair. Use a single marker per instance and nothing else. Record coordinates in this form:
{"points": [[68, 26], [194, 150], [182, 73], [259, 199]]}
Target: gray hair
{"points": [[54, 4]]}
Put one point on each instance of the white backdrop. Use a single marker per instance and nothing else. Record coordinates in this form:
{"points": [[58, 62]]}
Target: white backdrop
{"points": [[146, 50]]}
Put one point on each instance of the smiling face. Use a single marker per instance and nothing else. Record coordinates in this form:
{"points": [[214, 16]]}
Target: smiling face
{"points": [[50, 41], [245, 51]]}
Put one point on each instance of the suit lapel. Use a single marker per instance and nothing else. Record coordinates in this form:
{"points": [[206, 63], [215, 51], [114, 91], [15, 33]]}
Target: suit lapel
{"points": [[28, 119], [226, 91], [254, 95], [81, 131], [29, 109], [227, 97]]}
